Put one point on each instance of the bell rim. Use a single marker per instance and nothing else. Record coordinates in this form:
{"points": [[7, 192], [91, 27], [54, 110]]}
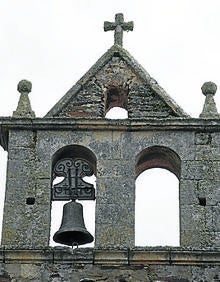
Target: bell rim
{"points": [[89, 237]]}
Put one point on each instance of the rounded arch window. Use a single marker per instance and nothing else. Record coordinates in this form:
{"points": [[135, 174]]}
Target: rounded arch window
{"points": [[157, 197], [84, 161]]}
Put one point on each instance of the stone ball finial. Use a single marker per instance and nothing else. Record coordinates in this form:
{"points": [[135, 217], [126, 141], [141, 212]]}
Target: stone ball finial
{"points": [[209, 88], [24, 86]]}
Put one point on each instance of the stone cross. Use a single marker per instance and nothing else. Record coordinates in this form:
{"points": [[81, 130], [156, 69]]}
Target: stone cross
{"points": [[118, 26]]}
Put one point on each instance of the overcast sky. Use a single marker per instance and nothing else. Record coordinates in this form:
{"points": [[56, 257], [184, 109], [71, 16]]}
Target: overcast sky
{"points": [[53, 43]]}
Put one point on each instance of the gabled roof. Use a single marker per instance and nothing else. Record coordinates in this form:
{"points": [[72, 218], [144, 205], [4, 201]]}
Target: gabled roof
{"points": [[84, 99]]}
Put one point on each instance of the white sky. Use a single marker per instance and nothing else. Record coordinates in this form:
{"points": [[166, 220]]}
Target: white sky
{"points": [[53, 43]]}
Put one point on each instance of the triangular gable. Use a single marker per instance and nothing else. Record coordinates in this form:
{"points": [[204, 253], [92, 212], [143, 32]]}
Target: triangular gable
{"points": [[117, 71]]}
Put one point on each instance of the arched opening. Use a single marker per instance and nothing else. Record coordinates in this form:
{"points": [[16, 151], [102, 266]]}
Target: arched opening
{"points": [[116, 103], [80, 155], [3, 165], [157, 197], [117, 113]]}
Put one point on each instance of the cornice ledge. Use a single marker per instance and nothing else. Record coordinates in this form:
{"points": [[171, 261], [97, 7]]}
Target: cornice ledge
{"points": [[113, 257]]}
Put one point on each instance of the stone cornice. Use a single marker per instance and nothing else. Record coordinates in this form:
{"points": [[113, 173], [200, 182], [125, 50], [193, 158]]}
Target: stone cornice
{"points": [[110, 124], [112, 257], [174, 124]]}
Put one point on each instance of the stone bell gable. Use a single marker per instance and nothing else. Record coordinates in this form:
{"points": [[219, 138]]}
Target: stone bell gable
{"points": [[75, 140], [116, 80]]}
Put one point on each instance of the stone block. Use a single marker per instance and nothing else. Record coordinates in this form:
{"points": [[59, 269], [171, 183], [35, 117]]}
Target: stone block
{"points": [[106, 149], [205, 152], [23, 155], [193, 218], [179, 273], [216, 241], [43, 169], [135, 142], [112, 257], [203, 138], [207, 273], [216, 138], [115, 190], [18, 169], [115, 214], [147, 257], [115, 168], [188, 195], [22, 138], [214, 213], [67, 255], [200, 170], [210, 190], [190, 238], [43, 191], [114, 236]]}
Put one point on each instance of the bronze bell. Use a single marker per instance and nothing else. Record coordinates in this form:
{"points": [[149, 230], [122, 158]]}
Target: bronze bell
{"points": [[72, 230]]}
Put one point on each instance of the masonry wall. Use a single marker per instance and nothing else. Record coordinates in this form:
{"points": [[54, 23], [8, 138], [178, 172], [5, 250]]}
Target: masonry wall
{"points": [[27, 225]]}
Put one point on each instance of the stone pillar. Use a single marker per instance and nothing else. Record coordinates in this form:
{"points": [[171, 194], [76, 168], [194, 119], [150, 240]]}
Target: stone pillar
{"points": [[199, 196], [115, 201], [26, 219]]}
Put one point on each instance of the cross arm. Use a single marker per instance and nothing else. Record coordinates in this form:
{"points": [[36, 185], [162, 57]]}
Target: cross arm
{"points": [[128, 26], [109, 26]]}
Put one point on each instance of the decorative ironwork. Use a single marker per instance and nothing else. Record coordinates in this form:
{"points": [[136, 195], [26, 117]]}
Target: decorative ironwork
{"points": [[73, 186]]}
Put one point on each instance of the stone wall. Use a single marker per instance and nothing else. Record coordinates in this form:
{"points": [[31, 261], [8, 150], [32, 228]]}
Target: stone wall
{"points": [[28, 192], [26, 255]]}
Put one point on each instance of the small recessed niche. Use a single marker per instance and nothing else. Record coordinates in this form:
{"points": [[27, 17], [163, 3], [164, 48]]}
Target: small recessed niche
{"points": [[202, 201], [30, 201], [116, 97]]}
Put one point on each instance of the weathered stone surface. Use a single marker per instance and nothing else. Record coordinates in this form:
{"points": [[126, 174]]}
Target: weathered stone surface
{"points": [[116, 80], [116, 151], [203, 138], [24, 109], [150, 264], [209, 109], [118, 26]]}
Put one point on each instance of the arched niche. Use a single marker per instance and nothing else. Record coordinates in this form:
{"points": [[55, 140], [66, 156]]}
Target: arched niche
{"points": [[116, 98], [157, 221], [73, 152]]}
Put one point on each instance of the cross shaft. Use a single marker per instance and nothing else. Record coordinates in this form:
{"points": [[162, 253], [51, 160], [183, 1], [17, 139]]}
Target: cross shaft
{"points": [[118, 26]]}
